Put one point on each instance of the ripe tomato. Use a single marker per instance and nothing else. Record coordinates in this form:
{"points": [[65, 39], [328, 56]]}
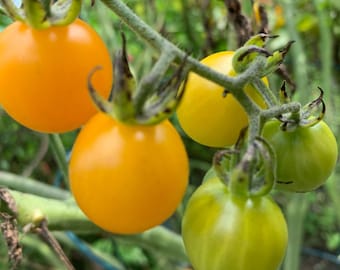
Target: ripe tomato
{"points": [[208, 117], [43, 74], [225, 231], [305, 156], [128, 179]]}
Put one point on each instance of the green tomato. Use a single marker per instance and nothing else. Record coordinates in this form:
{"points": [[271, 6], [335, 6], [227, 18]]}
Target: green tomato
{"points": [[209, 174], [222, 231], [306, 156]]}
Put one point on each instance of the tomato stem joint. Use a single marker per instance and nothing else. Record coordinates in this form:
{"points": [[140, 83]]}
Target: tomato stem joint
{"points": [[309, 115], [150, 101], [247, 173]]}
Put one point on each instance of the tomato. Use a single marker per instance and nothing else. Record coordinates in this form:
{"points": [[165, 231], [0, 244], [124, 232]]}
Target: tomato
{"points": [[225, 231], [43, 74], [306, 156], [127, 179], [208, 117], [209, 174]]}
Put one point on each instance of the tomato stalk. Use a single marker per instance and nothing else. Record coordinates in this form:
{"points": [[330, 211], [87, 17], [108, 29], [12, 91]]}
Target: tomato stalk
{"points": [[146, 103], [65, 215], [32, 186]]}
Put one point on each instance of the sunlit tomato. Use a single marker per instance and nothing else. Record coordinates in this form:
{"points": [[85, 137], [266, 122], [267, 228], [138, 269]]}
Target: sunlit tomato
{"points": [[43, 74], [127, 179], [205, 115], [305, 156], [222, 231]]}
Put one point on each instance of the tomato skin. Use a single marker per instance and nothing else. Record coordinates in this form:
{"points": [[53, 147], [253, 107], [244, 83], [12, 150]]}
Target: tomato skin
{"points": [[43, 74], [307, 156], [223, 231], [208, 117], [127, 179]]}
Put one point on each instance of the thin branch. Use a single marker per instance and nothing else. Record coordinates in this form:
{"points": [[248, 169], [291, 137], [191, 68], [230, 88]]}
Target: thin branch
{"points": [[29, 185], [47, 236], [60, 156], [43, 148]]}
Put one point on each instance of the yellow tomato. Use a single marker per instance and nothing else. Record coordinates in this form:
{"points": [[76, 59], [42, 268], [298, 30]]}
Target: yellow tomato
{"points": [[208, 117]]}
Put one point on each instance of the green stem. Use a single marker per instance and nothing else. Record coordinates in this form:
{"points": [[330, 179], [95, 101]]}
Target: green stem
{"points": [[298, 52], [266, 93], [154, 78], [254, 127], [25, 184], [295, 214], [326, 49], [162, 44], [61, 215], [293, 107], [60, 156], [325, 45], [333, 189], [159, 239], [233, 84], [65, 215]]}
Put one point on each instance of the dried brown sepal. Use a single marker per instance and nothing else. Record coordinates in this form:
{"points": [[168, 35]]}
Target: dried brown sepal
{"points": [[284, 97], [241, 23], [222, 163], [9, 229], [264, 28], [283, 73]]}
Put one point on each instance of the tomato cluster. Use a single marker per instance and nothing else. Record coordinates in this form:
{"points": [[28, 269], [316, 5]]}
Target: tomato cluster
{"points": [[221, 228], [118, 172], [128, 177]]}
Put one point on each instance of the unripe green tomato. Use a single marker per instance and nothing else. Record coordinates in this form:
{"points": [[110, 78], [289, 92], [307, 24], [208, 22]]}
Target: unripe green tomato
{"points": [[209, 174], [306, 156], [222, 231]]}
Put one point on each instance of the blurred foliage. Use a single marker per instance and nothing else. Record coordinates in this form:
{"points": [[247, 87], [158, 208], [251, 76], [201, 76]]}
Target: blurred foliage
{"points": [[199, 27]]}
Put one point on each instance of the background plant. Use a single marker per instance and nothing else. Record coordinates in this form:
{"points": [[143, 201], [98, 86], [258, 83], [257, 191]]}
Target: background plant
{"points": [[205, 28]]}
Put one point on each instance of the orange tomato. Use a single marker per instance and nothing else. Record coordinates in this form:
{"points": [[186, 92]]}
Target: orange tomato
{"points": [[43, 74], [127, 179]]}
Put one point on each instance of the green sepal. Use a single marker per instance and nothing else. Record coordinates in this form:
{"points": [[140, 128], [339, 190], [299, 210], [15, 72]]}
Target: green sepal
{"points": [[259, 40], [309, 115], [41, 14], [166, 99], [12, 10], [101, 103], [36, 14], [64, 12], [275, 60], [124, 87], [284, 97], [245, 55]]}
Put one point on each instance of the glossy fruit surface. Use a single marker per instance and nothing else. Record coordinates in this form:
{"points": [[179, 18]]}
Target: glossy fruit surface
{"points": [[43, 74], [205, 115], [127, 179], [222, 231], [306, 156]]}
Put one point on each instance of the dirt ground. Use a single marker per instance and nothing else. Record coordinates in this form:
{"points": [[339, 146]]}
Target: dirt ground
{"points": [[314, 263]]}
